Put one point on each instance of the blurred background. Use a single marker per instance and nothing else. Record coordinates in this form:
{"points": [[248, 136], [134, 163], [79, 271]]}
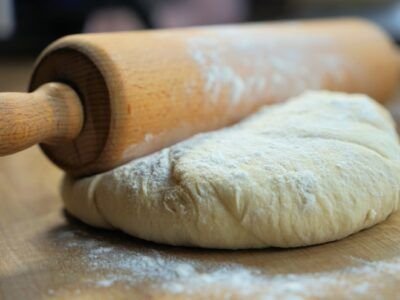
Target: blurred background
{"points": [[27, 26]]}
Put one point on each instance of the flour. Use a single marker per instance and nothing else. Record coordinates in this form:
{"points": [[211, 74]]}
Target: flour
{"points": [[172, 274], [237, 64], [305, 182], [148, 137]]}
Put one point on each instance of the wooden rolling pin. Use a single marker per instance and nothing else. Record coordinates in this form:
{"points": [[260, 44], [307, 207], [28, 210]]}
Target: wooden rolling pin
{"points": [[100, 100]]}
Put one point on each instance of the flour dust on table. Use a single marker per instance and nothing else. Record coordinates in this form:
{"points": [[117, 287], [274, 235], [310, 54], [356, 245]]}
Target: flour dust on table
{"points": [[112, 264], [316, 169]]}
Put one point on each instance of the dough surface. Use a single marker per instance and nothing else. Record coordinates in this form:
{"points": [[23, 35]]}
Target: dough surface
{"points": [[315, 169]]}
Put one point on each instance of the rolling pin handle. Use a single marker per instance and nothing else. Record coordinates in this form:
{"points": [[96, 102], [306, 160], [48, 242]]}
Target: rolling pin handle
{"points": [[51, 114]]}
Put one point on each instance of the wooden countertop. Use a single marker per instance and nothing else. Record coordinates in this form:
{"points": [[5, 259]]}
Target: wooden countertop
{"points": [[46, 254]]}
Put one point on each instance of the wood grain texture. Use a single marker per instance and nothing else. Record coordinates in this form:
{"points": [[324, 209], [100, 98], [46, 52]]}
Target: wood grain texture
{"points": [[44, 253], [52, 114], [146, 90]]}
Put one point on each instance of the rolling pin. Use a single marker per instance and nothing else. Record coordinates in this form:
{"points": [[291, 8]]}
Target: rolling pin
{"points": [[96, 101]]}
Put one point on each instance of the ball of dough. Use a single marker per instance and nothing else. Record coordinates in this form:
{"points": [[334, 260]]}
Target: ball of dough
{"points": [[315, 169]]}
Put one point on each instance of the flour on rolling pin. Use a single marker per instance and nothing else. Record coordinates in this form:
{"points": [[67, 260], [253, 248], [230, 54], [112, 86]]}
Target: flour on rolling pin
{"points": [[273, 66], [111, 265]]}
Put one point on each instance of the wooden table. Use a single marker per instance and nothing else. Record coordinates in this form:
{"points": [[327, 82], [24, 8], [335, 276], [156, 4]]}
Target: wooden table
{"points": [[45, 253]]}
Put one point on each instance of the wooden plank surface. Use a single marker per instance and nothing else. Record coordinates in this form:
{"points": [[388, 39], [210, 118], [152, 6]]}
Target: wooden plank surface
{"points": [[45, 254]]}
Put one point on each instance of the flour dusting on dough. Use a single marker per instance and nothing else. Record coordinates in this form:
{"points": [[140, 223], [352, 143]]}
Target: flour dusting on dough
{"points": [[312, 170]]}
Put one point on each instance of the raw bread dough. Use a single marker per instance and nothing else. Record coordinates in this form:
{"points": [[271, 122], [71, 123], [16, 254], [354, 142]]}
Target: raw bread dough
{"points": [[316, 169]]}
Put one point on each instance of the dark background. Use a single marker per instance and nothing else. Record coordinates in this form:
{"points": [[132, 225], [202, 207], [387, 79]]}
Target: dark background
{"points": [[27, 26]]}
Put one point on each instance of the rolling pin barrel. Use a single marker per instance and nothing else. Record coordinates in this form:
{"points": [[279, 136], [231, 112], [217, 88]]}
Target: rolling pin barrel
{"points": [[141, 91]]}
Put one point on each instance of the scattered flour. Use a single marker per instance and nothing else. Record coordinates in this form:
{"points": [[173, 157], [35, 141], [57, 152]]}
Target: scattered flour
{"points": [[148, 137], [172, 274]]}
